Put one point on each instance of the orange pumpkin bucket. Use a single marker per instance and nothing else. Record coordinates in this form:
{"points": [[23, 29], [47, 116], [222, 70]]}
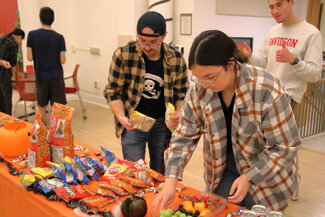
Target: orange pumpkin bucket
{"points": [[14, 138]]}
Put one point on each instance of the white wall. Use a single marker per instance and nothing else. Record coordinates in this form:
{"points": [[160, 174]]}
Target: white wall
{"points": [[204, 17], [86, 24]]}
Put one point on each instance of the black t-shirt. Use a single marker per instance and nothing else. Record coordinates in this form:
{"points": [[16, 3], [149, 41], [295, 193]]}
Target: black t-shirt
{"points": [[228, 118], [46, 46], [152, 101]]}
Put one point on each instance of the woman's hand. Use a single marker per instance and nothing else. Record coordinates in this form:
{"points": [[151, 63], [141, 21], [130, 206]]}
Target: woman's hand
{"points": [[239, 189], [166, 196]]}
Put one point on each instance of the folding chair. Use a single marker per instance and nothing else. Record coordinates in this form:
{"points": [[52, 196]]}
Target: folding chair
{"points": [[75, 89]]}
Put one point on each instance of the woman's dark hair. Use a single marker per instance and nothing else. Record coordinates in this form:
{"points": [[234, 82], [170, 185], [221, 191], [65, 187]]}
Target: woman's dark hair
{"points": [[46, 16], [213, 47], [18, 32]]}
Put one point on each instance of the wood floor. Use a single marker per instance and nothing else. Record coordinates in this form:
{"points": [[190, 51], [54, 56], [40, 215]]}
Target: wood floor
{"points": [[98, 130]]}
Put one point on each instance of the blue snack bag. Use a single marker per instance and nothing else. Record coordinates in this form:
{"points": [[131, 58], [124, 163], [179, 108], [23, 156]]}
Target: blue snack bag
{"points": [[77, 173], [108, 156], [48, 185], [86, 168]]}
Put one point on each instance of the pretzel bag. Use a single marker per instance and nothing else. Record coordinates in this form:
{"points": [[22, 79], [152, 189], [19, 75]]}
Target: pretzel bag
{"points": [[39, 148], [61, 137]]}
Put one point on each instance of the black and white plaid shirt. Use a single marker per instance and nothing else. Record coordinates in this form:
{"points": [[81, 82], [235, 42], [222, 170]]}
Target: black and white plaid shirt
{"points": [[8, 52]]}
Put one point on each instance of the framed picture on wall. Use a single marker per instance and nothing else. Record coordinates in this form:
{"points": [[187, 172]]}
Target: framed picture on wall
{"points": [[186, 24], [239, 40]]}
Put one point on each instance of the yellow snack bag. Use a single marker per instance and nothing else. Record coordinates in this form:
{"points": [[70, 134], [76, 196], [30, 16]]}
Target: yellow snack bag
{"points": [[170, 109], [141, 121], [27, 179], [44, 172]]}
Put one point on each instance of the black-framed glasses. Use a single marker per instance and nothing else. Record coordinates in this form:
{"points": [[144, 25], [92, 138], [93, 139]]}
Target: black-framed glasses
{"points": [[152, 44]]}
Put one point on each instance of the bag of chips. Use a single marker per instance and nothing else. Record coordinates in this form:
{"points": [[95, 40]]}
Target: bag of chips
{"points": [[170, 109], [141, 121], [71, 193], [61, 137], [39, 148]]}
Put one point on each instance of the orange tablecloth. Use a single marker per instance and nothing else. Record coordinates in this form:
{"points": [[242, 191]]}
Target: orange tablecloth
{"points": [[15, 201]]}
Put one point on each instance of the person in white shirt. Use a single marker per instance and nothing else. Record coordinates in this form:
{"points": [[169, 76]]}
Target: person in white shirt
{"points": [[292, 50]]}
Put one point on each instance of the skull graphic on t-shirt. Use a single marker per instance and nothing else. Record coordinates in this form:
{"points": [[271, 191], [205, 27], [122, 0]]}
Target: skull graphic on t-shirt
{"points": [[152, 86]]}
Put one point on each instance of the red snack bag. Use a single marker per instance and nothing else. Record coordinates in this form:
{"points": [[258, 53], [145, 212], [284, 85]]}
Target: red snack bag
{"points": [[39, 148], [144, 176], [61, 137], [106, 192], [137, 182], [117, 190], [97, 201], [71, 193], [123, 184], [114, 170], [125, 162], [157, 176]]}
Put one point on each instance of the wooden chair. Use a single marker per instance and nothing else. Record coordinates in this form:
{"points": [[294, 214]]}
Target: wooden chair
{"points": [[75, 89]]}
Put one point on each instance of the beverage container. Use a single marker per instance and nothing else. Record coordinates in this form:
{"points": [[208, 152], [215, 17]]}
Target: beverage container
{"points": [[249, 213], [260, 210], [274, 214]]}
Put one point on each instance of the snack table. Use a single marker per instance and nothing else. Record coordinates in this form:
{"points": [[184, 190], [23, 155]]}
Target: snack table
{"points": [[15, 201]]}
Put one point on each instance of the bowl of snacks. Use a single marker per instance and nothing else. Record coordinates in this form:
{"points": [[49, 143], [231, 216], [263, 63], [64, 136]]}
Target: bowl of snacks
{"points": [[198, 205]]}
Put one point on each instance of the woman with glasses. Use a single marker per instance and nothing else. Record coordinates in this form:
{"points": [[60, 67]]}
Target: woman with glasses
{"points": [[249, 133]]}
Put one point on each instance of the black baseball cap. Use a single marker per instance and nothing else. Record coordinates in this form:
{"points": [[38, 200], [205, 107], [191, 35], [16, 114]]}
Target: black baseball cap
{"points": [[154, 21]]}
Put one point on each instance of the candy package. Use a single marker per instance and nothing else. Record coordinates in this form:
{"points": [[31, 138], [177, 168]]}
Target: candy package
{"points": [[106, 192], [61, 137], [63, 174], [48, 185], [71, 193], [117, 190], [39, 148], [157, 176], [170, 109], [144, 176], [114, 170], [97, 201], [96, 164], [77, 173], [109, 156], [85, 167], [44, 172], [136, 182], [123, 184], [27, 179], [141, 121]]}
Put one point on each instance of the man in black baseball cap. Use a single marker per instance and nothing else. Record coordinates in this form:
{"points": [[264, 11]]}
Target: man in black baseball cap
{"points": [[145, 75], [154, 21], [151, 29]]}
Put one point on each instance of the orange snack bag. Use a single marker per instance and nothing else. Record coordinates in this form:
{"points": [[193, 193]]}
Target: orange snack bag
{"points": [[39, 147], [61, 137]]}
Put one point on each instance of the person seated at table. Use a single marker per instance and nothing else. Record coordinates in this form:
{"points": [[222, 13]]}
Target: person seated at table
{"points": [[250, 134]]}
